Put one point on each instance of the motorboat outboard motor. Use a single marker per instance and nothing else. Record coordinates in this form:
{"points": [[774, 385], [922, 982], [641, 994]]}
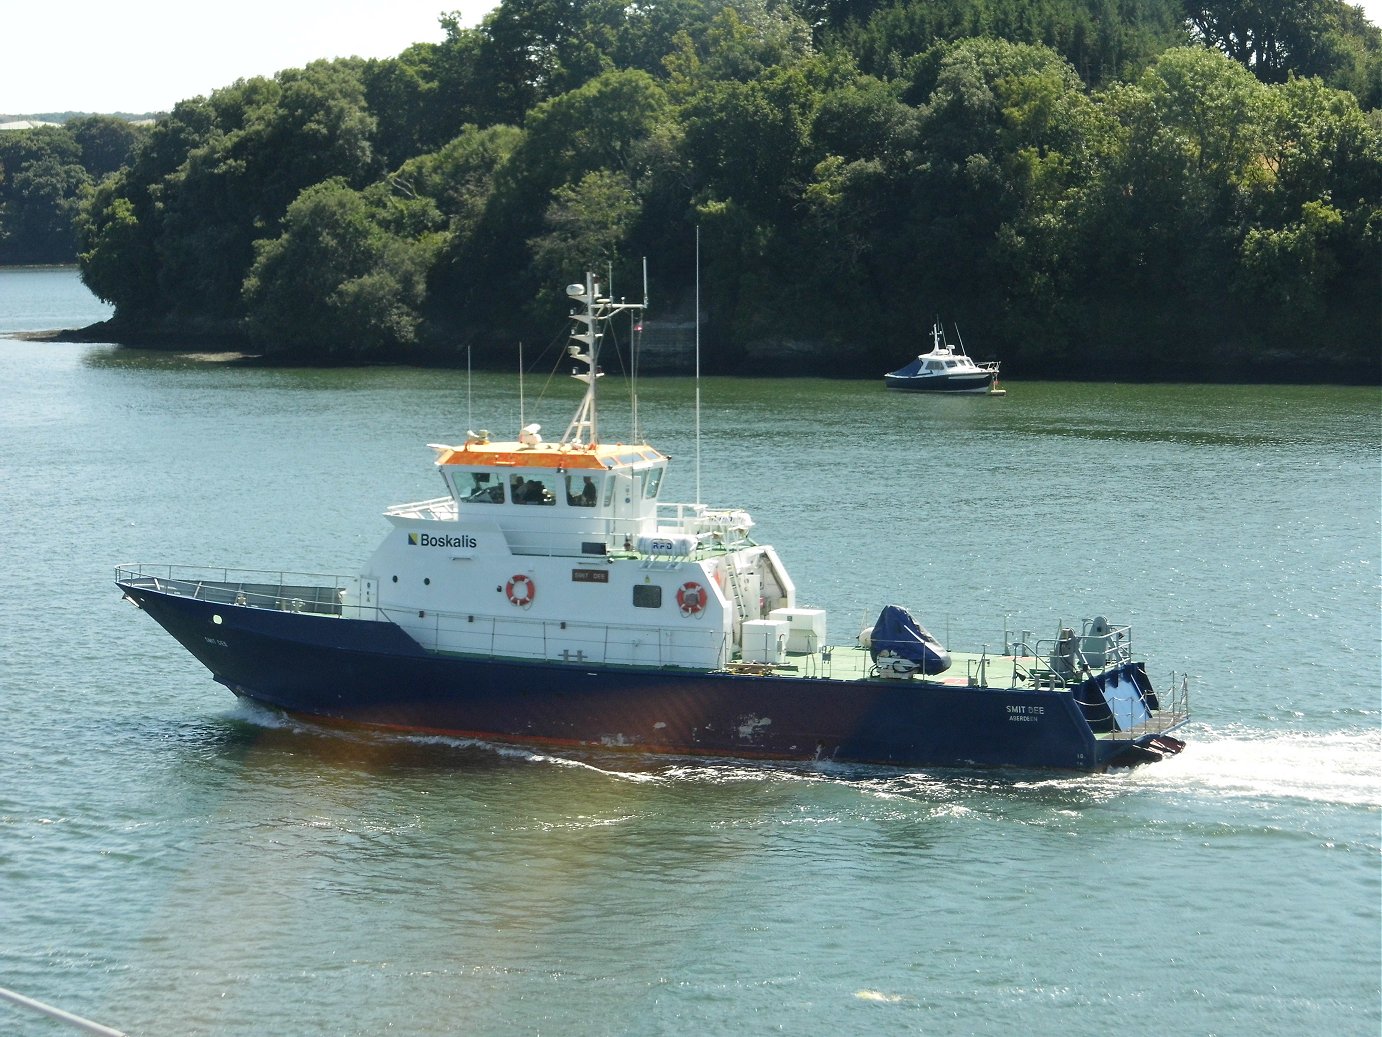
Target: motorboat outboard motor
{"points": [[901, 647]]}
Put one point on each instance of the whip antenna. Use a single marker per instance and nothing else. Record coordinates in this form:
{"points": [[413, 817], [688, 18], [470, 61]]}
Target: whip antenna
{"points": [[698, 363]]}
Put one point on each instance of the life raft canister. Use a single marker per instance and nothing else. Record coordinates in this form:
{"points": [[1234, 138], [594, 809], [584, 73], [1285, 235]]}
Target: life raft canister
{"points": [[521, 590], [691, 598]]}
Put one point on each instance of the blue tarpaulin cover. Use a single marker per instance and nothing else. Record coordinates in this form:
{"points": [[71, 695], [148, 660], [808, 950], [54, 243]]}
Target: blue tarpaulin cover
{"points": [[898, 632]]}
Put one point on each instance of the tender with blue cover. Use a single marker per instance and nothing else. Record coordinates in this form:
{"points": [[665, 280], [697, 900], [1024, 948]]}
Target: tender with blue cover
{"points": [[898, 632]]}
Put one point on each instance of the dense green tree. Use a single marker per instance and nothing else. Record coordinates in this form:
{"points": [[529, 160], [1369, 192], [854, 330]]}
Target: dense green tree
{"points": [[1270, 37], [44, 198], [602, 125], [752, 140], [107, 143], [654, 29], [124, 217], [587, 223], [1317, 143], [1310, 256], [1351, 52], [1295, 263], [20, 147], [1102, 39], [598, 125], [41, 184], [997, 119], [316, 128], [1203, 191], [1276, 39], [459, 177], [338, 280], [118, 262], [864, 118], [529, 51], [220, 173], [856, 203], [403, 94]]}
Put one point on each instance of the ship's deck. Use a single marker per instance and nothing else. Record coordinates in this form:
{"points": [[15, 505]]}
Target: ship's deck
{"points": [[337, 597], [976, 670], [852, 662]]}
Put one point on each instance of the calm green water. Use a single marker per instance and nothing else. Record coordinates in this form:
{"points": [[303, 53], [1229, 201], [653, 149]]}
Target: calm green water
{"points": [[172, 862]]}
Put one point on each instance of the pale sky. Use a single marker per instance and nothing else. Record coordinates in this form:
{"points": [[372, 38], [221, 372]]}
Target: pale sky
{"points": [[146, 55]]}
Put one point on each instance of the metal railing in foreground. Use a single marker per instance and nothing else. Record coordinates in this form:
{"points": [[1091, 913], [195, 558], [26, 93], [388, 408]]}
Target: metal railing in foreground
{"points": [[74, 1021]]}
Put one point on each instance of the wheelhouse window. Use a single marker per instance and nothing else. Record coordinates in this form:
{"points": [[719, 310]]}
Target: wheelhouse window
{"points": [[484, 488], [654, 481], [647, 596], [581, 491], [526, 490]]}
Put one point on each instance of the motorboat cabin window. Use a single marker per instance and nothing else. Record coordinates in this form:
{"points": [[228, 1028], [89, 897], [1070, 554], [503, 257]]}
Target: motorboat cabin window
{"points": [[647, 596], [581, 491], [934, 365], [952, 363], [654, 481], [485, 488], [526, 490]]}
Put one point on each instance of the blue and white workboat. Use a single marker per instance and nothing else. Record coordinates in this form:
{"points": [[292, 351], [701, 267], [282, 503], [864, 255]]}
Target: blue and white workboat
{"points": [[945, 369], [550, 597]]}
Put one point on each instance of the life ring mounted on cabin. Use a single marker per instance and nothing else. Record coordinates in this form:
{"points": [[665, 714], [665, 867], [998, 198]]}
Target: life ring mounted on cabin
{"points": [[521, 590], [691, 599]]}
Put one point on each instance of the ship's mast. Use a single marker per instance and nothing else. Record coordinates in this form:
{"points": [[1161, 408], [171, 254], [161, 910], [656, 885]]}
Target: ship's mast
{"points": [[584, 429]]}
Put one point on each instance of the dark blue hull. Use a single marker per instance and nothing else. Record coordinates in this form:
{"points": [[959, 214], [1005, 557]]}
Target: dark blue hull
{"points": [[373, 673], [941, 383]]}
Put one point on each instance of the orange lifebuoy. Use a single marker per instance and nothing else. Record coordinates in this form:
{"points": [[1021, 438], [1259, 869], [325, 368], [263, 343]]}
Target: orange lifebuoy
{"points": [[691, 598], [521, 590]]}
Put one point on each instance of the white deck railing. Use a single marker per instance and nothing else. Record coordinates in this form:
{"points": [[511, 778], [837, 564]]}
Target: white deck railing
{"points": [[281, 591]]}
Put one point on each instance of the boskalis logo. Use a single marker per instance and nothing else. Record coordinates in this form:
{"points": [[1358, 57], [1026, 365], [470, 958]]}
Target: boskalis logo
{"points": [[464, 541]]}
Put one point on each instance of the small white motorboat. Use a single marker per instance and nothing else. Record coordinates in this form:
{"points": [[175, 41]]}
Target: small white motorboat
{"points": [[945, 368]]}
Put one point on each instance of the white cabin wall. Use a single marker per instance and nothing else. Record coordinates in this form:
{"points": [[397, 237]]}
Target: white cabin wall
{"points": [[454, 599]]}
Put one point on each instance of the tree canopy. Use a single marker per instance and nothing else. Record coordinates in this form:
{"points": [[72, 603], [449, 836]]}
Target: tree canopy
{"points": [[45, 173], [1089, 187]]}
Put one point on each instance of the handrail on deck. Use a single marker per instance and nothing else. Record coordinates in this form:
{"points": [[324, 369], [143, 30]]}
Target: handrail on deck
{"points": [[1178, 693], [278, 590], [443, 508], [701, 518], [506, 637]]}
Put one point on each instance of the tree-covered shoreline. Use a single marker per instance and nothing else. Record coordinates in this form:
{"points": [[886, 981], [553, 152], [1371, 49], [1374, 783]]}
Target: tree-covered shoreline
{"points": [[1133, 190]]}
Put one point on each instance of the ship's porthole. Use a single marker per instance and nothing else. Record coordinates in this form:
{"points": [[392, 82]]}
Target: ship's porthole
{"points": [[427, 581], [216, 620], [395, 579]]}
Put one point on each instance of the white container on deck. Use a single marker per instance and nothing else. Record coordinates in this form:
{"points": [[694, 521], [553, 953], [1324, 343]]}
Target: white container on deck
{"points": [[806, 628], [765, 641]]}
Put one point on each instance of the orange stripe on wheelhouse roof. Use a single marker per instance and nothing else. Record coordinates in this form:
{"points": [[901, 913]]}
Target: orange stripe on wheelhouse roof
{"points": [[515, 455]]}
